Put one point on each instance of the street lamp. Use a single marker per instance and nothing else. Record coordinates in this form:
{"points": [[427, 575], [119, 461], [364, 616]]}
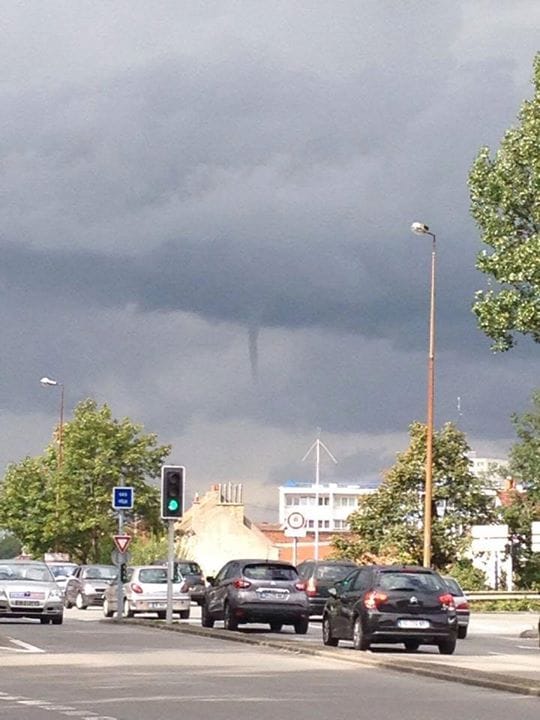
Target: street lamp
{"points": [[46, 382], [421, 229]]}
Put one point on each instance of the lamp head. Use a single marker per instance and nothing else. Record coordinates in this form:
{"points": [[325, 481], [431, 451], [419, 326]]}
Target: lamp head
{"points": [[419, 228], [47, 381]]}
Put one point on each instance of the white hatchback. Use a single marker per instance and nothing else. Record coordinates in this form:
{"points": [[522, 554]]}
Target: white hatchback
{"points": [[146, 592]]}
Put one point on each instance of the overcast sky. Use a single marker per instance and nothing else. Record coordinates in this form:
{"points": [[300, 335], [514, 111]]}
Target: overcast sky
{"points": [[205, 224]]}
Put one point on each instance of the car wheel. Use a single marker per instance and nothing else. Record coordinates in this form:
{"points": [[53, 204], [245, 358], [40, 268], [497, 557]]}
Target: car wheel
{"points": [[327, 637], [462, 632], [447, 647], [57, 619], [107, 610], [80, 602], [184, 614], [412, 645], [128, 612], [207, 620], [162, 614], [44, 620], [229, 621], [67, 603], [360, 641], [301, 626], [276, 626]]}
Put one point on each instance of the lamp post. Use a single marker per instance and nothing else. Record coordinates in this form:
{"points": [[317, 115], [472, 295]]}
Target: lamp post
{"points": [[421, 229], [46, 382]]}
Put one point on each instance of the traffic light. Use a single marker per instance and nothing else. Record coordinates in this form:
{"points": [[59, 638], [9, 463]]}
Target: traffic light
{"points": [[172, 492], [123, 572]]}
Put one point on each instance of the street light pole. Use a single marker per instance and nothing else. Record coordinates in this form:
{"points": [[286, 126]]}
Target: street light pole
{"points": [[421, 229], [47, 382]]}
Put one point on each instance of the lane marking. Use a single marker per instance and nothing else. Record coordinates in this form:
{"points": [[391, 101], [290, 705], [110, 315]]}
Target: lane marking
{"points": [[25, 647]]}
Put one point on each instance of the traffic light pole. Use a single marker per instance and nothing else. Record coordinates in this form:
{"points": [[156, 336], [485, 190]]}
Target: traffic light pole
{"points": [[170, 571], [121, 561]]}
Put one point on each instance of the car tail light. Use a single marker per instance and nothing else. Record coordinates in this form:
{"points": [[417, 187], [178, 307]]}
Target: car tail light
{"points": [[446, 600], [184, 587], [374, 599], [241, 584], [300, 586], [463, 605], [311, 588], [136, 588]]}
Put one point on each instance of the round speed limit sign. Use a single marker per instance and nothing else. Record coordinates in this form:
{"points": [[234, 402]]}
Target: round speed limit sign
{"points": [[296, 521]]}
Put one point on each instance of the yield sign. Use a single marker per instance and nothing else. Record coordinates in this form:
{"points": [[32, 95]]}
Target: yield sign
{"points": [[122, 542]]}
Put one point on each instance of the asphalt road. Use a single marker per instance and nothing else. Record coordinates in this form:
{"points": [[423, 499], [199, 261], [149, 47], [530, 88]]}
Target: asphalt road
{"points": [[108, 671]]}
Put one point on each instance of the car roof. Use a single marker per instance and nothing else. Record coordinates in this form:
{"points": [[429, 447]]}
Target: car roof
{"points": [[262, 561]]}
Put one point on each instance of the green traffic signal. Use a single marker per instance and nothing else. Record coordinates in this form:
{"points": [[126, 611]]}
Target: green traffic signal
{"points": [[173, 505]]}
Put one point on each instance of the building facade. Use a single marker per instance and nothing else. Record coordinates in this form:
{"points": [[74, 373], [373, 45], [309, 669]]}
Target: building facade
{"points": [[329, 505]]}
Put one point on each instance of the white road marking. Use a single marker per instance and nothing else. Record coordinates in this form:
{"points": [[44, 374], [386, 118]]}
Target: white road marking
{"points": [[25, 647]]}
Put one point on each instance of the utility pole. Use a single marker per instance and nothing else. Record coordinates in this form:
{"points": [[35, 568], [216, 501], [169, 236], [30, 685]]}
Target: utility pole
{"points": [[317, 445]]}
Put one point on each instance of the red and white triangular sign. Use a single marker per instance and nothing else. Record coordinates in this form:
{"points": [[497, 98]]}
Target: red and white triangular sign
{"points": [[122, 542]]}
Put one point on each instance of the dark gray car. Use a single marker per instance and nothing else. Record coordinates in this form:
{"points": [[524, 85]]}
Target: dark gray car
{"points": [[320, 575], [259, 591]]}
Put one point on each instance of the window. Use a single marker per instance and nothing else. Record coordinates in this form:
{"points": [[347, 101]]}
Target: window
{"points": [[270, 572], [324, 500], [341, 525], [310, 524]]}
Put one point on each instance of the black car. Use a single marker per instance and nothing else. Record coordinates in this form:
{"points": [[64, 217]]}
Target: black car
{"points": [[194, 579], [259, 591], [320, 575], [391, 604]]}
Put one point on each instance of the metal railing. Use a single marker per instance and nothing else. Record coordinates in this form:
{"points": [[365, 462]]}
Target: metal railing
{"points": [[502, 595]]}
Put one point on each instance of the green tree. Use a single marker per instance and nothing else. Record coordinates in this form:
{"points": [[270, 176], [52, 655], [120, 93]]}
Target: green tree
{"points": [[68, 508], [521, 508], [388, 525], [505, 202], [10, 546]]}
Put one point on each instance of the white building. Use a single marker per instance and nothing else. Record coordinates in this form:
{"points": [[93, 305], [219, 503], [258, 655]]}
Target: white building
{"points": [[491, 470], [336, 501]]}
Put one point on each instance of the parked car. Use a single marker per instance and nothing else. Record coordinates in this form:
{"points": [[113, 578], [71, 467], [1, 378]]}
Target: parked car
{"points": [[462, 606], [321, 575], [87, 585], [62, 571], [391, 604], [146, 591], [260, 591], [28, 589], [193, 575]]}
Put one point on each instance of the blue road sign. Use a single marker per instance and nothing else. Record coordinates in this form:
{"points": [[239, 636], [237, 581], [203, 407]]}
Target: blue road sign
{"points": [[122, 498]]}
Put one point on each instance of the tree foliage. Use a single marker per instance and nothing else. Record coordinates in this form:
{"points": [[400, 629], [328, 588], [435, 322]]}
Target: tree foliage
{"points": [[388, 525], [522, 508], [505, 202], [67, 508]]}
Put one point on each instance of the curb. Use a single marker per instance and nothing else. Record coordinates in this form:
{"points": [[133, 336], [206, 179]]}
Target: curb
{"points": [[480, 678]]}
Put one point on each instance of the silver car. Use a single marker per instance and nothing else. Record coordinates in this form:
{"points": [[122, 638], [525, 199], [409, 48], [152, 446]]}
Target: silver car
{"points": [[146, 591], [28, 590], [461, 602]]}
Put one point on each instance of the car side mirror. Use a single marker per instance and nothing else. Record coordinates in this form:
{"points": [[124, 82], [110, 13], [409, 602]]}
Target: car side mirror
{"points": [[211, 580], [332, 591]]}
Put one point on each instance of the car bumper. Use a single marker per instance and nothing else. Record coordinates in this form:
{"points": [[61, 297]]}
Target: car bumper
{"points": [[256, 612], [159, 604], [384, 627], [316, 605], [48, 609]]}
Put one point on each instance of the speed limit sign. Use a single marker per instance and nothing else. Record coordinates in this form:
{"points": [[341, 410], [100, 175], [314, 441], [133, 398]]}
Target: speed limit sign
{"points": [[295, 525]]}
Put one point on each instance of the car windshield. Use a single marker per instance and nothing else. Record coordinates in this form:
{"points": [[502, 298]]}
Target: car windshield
{"points": [[189, 568], [102, 572], [62, 570], [25, 571], [333, 572], [270, 572], [413, 581]]}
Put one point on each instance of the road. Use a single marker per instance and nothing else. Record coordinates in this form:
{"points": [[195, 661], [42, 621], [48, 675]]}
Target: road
{"points": [[108, 671]]}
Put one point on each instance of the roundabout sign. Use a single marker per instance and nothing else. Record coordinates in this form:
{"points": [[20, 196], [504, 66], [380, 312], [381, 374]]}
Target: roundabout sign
{"points": [[295, 525]]}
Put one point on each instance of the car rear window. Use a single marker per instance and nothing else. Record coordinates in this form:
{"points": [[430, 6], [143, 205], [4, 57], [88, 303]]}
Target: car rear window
{"points": [[453, 586], [413, 581], [189, 568], [153, 575], [270, 572], [333, 572]]}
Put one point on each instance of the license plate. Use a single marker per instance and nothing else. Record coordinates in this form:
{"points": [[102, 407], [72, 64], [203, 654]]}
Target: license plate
{"points": [[156, 605], [25, 603], [413, 624], [273, 594]]}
